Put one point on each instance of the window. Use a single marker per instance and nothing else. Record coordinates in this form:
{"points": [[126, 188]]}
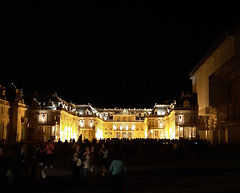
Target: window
{"points": [[43, 118], [180, 118], [160, 124], [91, 123], [189, 132], [152, 123], [181, 132], [81, 123], [129, 135], [186, 103], [194, 132]]}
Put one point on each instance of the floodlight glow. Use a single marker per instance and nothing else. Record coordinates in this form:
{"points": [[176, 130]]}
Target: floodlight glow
{"points": [[99, 134]]}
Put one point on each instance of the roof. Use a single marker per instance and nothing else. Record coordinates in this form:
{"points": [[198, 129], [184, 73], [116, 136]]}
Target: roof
{"points": [[85, 109], [187, 100], [210, 51]]}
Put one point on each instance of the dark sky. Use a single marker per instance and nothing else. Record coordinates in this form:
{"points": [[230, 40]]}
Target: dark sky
{"points": [[108, 53]]}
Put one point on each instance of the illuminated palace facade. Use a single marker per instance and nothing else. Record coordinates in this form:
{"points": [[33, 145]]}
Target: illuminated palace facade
{"points": [[47, 116]]}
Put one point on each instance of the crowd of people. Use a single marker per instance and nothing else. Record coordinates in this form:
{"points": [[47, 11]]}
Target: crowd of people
{"points": [[19, 160]]}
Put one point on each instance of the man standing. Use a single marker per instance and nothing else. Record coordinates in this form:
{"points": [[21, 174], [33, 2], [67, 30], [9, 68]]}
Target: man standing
{"points": [[49, 148], [117, 169]]}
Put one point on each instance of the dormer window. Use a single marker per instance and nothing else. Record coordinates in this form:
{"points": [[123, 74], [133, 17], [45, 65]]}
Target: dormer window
{"points": [[186, 103], [81, 123], [91, 123], [43, 118], [180, 118]]}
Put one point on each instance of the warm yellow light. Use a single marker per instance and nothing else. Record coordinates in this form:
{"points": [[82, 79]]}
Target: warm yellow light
{"points": [[172, 133], [67, 134], [82, 123], [161, 125], [91, 123], [99, 134]]}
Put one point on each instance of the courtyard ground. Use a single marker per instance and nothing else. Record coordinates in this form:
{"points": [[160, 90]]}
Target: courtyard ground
{"points": [[212, 172]]}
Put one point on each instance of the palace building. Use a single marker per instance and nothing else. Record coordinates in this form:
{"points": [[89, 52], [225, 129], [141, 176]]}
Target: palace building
{"points": [[47, 116], [13, 117]]}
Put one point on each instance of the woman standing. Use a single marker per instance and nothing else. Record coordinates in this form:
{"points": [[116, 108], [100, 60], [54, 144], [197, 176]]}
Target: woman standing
{"points": [[86, 163], [76, 163], [103, 158], [49, 148]]}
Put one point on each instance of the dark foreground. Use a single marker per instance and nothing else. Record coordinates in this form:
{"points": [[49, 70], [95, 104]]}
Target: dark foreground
{"points": [[151, 167], [191, 176], [211, 171]]}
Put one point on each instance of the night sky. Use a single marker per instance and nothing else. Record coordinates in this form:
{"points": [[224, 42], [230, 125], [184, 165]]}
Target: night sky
{"points": [[108, 53]]}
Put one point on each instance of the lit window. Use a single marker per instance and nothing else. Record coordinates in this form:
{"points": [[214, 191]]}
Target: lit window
{"points": [[181, 132], [193, 131], [120, 127], [180, 118], [189, 132], [161, 125], [43, 118], [91, 123], [81, 123], [126, 127]]}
